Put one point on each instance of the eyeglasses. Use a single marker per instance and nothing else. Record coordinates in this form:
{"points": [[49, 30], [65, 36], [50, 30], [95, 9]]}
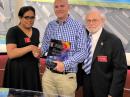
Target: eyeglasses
{"points": [[92, 21], [29, 17]]}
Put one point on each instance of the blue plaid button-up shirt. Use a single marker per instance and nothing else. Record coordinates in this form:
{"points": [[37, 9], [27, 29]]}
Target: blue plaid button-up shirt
{"points": [[71, 31]]}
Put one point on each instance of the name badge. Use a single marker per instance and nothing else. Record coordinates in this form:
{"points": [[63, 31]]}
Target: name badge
{"points": [[102, 58], [27, 40]]}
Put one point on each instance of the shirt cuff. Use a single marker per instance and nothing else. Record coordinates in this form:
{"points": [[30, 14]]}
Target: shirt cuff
{"points": [[66, 66]]}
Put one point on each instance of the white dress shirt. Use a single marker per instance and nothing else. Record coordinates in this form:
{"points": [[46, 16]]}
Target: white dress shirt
{"points": [[95, 38]]}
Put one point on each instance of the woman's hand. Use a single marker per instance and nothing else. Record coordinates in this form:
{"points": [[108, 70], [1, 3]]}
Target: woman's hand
{"points": [[36, 51]]}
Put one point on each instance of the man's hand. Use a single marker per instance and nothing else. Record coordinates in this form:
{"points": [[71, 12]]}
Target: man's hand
{"points": [[59, 67]]}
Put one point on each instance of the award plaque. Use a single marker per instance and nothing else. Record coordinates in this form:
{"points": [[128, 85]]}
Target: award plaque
{"points": [[58, 51]]}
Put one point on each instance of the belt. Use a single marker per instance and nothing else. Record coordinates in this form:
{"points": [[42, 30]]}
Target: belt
{"points": [[54, 71]]}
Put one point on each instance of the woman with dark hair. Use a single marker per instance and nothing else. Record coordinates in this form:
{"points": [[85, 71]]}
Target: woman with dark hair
{"points": [[22, 41]]}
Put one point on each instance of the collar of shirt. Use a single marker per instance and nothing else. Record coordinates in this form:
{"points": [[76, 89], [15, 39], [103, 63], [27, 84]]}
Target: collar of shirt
{"points": [[62, 23], [96, 35]]}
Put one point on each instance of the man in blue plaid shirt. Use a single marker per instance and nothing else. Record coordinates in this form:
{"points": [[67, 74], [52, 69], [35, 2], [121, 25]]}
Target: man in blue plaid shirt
{"points": [[62, 79]]}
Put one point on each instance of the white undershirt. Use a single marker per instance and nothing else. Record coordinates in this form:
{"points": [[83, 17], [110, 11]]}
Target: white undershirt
{"points": [[95, 38]]}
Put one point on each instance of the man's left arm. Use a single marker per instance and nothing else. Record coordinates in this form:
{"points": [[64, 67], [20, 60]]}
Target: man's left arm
{"points": [[81, 50], [120, 69]]}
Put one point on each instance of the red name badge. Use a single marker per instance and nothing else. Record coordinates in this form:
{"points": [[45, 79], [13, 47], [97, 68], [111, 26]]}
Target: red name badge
{"points": [[102, 59], [27, 40]]}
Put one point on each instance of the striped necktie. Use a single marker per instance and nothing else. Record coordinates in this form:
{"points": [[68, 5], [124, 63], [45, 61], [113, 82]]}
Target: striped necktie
{"points": [[87, 63]]}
